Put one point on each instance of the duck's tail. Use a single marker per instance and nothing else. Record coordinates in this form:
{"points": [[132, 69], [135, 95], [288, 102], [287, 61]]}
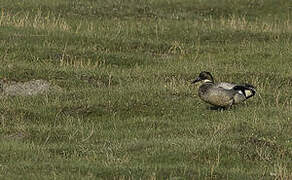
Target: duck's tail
{"points": [[246, 89]]}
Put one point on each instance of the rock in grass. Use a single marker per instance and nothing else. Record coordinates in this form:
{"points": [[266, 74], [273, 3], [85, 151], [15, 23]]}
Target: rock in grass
{"points": [[29, 88]]}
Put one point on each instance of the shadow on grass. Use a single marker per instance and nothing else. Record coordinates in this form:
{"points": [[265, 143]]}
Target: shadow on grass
{"points": [[217, 108]]}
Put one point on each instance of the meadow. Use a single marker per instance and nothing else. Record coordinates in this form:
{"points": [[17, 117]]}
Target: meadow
{"points": [[127, 108]]}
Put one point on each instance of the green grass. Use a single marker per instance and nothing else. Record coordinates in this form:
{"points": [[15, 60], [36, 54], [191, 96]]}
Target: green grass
{"points": [[127, 109]]}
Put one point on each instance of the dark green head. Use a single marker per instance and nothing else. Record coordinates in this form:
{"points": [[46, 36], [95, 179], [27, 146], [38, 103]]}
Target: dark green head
{"points": [[204, 76]]}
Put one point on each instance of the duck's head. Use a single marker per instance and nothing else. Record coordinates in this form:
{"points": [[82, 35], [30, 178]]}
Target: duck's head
{"points": [[204, 77]]}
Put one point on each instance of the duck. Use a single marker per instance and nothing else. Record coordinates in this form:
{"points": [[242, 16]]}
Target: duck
{"points": [[223, 94]]}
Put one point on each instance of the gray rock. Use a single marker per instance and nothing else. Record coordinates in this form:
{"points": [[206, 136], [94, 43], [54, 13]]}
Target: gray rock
{"points": [[29, 88]]}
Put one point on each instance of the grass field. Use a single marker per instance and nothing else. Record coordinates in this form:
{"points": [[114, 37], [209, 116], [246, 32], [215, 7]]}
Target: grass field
{"points": [[127, 109]]}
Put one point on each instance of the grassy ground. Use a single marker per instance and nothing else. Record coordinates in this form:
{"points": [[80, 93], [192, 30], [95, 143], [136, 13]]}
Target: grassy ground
{"points": [[127, 109]]}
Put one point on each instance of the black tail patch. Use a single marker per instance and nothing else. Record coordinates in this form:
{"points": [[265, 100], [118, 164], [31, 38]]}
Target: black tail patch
{"points": [[246, 89]]}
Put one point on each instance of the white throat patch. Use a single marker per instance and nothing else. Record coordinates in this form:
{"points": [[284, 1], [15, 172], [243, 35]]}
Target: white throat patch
{"points": [[206, 80]]}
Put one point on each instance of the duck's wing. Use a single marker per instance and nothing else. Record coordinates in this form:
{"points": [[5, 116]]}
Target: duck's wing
{"points": [[228, 86], [225, 85]]}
